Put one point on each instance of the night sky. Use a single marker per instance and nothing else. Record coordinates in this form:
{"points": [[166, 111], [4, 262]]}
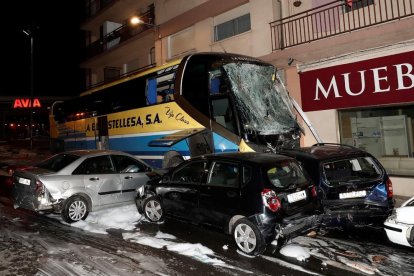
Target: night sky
{"points": [[56, 48]]}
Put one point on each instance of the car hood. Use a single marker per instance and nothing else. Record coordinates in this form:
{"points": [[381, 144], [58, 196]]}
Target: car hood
{"points": [[405, 213]]}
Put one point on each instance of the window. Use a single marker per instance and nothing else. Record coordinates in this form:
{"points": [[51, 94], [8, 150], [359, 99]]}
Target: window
{"points": [[223, 174], [190, 173], [222, 112], [127, 164], [58, 162], [232, 27], [357, 4], [286, 174], [160, 89], [387, 133], [181, 42], [247, 175], [111, 73], [95, 165]]}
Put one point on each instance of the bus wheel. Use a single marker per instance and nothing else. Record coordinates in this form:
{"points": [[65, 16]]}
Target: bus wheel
{"points": [[172, 159]]}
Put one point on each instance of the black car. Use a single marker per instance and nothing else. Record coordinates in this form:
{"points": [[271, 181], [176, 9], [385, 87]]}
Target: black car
{"points": [[257, 197], [353, 187]]}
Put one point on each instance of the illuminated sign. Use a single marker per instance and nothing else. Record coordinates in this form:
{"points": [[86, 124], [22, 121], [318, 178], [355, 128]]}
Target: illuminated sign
{"points": [[372, 82], [26, 103]]}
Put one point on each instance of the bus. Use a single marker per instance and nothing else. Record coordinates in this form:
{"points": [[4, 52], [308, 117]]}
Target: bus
{"points": [[203, 103]]}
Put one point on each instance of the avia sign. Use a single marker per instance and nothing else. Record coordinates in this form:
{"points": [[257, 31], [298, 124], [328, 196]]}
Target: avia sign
{"points": [[26, 103], [379, 81]]}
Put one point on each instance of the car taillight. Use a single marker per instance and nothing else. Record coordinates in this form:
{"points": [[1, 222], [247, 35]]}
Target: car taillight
{"points": [[314, 192], [390, 191], [270, 200]]}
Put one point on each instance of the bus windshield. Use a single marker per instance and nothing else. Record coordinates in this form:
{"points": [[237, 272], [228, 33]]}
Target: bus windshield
{"points": [[261, 99]]}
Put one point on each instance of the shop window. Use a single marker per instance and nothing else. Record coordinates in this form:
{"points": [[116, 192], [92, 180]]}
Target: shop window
{"points": [[386, 133], [232, 27]]}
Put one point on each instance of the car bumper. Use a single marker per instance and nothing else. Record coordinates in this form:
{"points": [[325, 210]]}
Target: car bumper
{"points": [[357, 211], [399, 233], [34, 202]]}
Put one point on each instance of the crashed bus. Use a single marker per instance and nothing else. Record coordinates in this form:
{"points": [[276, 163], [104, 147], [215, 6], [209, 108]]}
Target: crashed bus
{"points": [[203, 103]]}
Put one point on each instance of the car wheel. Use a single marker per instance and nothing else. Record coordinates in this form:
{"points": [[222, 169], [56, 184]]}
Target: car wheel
{"points": [[248, 237], [153, 210], [75, 209]]}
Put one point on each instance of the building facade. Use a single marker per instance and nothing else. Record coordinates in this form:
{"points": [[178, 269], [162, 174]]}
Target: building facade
{"points": [[349, 64]]}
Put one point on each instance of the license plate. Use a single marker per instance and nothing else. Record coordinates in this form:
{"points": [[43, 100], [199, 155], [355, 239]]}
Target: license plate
{"points": [[353, 194], [296, 196], [24, 181]]}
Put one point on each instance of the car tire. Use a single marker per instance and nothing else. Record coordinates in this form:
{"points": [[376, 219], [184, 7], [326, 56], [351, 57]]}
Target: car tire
{"points": [[75, 209], [248, 237], [153, 210]]}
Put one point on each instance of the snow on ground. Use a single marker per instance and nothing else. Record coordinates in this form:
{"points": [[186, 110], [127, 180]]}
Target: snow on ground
{"points": [[126, 218]]}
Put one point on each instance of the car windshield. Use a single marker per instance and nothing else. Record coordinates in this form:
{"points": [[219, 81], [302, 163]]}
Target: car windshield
{"points": [[257, 85], [57, 162], [351, 170], [286, 174]]}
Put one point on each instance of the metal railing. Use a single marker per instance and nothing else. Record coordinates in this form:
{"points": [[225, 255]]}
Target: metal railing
{"points": [[334, 18], [125, 75], [120, 35]]}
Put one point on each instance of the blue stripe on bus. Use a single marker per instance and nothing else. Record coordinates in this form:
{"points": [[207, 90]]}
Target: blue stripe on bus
{"points": [[139, 146], [221, 144]]}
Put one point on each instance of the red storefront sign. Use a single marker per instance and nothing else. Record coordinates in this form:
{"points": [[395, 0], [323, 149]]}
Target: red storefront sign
{"points": [[378, 81], [26, 103]]}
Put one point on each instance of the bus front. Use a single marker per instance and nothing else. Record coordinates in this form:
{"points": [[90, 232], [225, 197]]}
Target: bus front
{"points": [[241, 100]]}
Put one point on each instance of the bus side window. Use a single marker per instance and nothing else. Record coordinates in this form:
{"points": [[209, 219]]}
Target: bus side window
{"points": [[151, 92], [222, 113], [215, 85]]}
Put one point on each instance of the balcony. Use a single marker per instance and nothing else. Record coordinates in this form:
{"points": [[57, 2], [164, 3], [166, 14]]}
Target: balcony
{"points": [[120, 35], [335, 18]]}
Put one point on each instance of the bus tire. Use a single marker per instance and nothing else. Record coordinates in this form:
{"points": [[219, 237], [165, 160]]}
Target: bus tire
{"points": [[172, 159]]}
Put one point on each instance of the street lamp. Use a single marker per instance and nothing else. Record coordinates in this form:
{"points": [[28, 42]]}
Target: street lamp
{"points": [[135, 20], [29, 33]]}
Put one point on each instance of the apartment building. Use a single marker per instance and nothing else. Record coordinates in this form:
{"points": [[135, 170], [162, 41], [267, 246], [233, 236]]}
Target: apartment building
{"points": [[348, 63]]}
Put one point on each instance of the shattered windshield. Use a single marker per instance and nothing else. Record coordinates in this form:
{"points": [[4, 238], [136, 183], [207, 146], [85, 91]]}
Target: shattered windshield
{"points": [[261, 98]]}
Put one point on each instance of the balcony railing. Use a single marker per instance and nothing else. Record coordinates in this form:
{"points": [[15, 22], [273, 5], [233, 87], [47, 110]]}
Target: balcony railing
{"points": [[92, 7], [334, 18], [120, 35]]}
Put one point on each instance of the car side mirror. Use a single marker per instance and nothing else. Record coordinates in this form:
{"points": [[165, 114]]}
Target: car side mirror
{"points": [[165, 178]]}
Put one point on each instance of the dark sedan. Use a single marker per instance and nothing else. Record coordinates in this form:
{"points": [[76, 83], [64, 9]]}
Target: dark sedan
{"points": [[353, 187], [256, 197]]}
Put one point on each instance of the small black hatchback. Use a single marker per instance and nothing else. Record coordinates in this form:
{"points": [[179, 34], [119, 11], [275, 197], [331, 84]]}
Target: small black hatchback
{"points": [[259, 198]]}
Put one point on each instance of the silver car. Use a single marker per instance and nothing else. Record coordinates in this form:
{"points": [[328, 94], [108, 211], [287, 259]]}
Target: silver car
{"points": [[75, 183]]}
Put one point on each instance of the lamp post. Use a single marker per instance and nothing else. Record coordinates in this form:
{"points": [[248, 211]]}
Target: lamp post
{"points": [[29, 33]]}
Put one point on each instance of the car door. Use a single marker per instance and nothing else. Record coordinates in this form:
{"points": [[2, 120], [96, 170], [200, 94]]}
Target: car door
{"points": [[219, 197], [101, 182], [180, 196], [132, 174]]}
